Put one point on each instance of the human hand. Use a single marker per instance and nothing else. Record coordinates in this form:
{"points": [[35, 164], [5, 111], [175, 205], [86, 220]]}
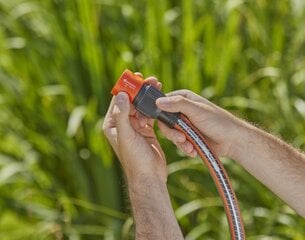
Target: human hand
{"points": [[132, 137], [218, 126]]}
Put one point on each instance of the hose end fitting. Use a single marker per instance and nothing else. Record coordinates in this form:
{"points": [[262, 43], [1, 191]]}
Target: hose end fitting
{"points": [[129, 83], [143, 97]]}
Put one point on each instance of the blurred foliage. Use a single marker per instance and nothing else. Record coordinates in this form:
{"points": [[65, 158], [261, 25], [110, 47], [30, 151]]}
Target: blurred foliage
{"points": [[58, 61]]}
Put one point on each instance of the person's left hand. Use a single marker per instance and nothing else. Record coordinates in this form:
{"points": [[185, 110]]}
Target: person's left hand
{"points": [[132, 137]]}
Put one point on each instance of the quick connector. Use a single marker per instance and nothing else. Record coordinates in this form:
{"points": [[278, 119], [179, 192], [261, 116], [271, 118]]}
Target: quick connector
{"points": [[143, 97]]}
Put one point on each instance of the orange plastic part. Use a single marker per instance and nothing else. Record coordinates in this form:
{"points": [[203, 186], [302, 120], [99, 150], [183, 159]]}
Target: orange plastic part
{"points": [[129, 83]]}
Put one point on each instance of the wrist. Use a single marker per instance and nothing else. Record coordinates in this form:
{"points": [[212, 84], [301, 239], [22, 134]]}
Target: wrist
{"points": [[152, 210], [240, 140], [138, 178], [145, 186], [226, 133], [144, 181], [149, 168]]}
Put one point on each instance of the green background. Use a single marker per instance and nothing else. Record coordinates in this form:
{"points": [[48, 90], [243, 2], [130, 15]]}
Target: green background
{"points": [[59, 59]]}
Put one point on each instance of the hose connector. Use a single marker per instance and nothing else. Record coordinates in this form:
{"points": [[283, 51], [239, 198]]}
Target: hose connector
{"points": [[143, 97]]}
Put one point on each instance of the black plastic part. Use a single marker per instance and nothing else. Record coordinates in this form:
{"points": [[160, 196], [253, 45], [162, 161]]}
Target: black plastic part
{"points": [[145, 102]]}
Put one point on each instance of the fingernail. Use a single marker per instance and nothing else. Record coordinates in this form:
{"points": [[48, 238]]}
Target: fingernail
{"points": [[163, 101], [121, 97]]}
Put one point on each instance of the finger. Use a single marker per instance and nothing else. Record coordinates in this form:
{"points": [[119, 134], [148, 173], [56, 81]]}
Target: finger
{"points": [[154, 82], [179, 139], [186, 147], [193, 153], [121, 115], [182, 92], [139, 74], [108, 120], [151, 80], [109, 128], [177, 103], [159, 85], [188, 152], [110, 109], [189, 95], [171, 134], [112, 138], [181, 104], [143, 120]]}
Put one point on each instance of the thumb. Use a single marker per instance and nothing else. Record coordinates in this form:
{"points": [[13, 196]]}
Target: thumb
{"points": [[177, 103], [121, 115]]}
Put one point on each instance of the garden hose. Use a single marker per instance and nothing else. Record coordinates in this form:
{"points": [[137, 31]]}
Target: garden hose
{"points": [[144, 96]]}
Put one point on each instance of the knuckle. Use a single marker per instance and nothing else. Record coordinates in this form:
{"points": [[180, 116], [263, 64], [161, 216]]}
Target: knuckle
{"points": [[186, 91], [179, 99], [190, 95], [177, 137]]}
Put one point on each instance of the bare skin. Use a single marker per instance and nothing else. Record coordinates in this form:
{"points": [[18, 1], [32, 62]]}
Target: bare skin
{"points": [[276, 164], [132, 137], [273, 162]]}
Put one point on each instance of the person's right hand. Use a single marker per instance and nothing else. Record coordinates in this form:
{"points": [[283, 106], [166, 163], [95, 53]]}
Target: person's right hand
{"points": [[220, 127]]}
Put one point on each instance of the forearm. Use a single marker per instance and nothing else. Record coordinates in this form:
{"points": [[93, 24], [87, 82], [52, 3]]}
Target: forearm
{"points": [[276, 164], [152, 211]]}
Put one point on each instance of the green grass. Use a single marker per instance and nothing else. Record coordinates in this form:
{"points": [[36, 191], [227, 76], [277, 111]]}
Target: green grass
{"points": [[58, 61]]}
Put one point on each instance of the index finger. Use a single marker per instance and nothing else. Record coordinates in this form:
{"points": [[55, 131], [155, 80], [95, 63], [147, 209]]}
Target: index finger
{"points": [[109, 111], [154, 82], [189, 95], [151, 80]]}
